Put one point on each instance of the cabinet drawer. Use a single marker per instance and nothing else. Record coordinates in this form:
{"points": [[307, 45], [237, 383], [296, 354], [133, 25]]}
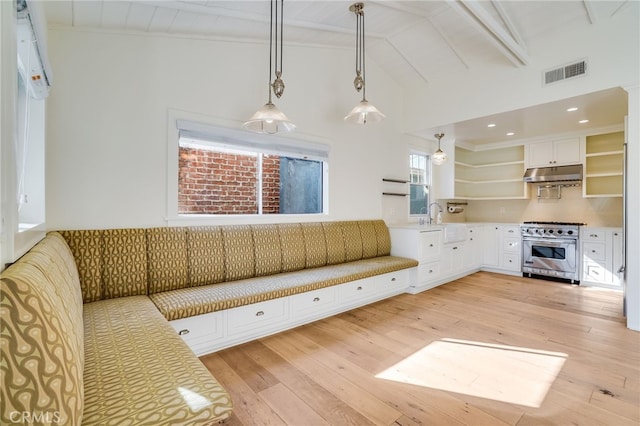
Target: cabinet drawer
{"points": [[398, 280], [311, 302], [360, 289], [511, 262], [257, 315], [594, 251], [199, 326], [202, 333], [595, 272], [430, 245], [511, 245], [593, 235], [428, 272], [511, 231]]}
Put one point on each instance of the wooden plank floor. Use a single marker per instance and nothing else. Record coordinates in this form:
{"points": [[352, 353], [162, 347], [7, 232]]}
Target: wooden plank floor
{"points": [[487, 349]]}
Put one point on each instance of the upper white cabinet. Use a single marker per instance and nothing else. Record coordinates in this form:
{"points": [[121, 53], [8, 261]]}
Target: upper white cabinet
{"points": [[604, 165], [558, 152], [490, 174]]}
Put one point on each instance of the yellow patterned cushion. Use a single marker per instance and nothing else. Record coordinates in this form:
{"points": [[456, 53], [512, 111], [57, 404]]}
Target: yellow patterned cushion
{"points": [[41, 340], [315, 245], [124, 271], [86, 247], [369, 240], [167, 257], [205, 250], [292, 241], [239, 255], [139, 371], [204, 299], [268, 250], [352, 240], [335, 242], [383, 237]]}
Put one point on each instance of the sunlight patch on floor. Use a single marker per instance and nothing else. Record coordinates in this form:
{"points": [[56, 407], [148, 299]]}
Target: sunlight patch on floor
{"points": [[510, 374]]}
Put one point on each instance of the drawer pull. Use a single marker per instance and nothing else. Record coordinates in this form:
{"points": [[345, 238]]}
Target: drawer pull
{"points": [[183, 332], [259, 313], [593, 251], [455, 248], [593, 235], [393, 279], [430, 271], [511, 231], [316, 299], [430, 245], [359, 287]]}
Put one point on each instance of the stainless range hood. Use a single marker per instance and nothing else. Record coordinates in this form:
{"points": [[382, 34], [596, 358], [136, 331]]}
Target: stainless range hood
{"points": [[570, 173]]}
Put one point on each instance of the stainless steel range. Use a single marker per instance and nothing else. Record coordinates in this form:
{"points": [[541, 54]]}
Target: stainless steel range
{"points": [[551, 249]]}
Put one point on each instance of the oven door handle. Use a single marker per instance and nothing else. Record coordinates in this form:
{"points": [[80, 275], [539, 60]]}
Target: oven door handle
{"points": [[549, 242]]}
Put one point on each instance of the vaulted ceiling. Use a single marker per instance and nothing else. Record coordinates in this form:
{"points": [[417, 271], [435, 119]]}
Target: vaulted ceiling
{"points": [[412, 41]]}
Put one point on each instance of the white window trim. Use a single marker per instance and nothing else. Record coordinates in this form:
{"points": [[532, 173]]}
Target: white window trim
{"points": [[307, 147], [429, 185]]}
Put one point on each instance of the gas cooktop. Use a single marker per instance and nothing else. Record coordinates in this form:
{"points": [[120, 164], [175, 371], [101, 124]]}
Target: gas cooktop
{"points": [[533, 222]]}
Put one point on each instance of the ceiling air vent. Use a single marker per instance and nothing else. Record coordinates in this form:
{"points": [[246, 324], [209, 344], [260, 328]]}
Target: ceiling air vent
{"points": [[564, 72]]}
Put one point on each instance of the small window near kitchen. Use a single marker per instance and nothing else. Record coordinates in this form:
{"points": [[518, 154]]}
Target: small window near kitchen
{"points": [[419, 184]]}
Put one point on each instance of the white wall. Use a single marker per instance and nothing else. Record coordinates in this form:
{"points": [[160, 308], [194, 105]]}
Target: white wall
{"points": [[611, 47], [107, 126]]}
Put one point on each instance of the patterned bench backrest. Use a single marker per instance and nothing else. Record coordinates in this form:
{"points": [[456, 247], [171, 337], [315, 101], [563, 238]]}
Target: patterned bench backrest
{"points": [[123, 262], [42, 349]]}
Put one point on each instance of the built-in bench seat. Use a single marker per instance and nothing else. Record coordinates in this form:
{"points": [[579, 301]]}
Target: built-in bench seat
{"points": [[93, 319], [187, 302]]}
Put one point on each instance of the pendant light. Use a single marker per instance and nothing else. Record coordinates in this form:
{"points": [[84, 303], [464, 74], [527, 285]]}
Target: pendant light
{"points": [[439, 156], [364, 111], [269, 119]]}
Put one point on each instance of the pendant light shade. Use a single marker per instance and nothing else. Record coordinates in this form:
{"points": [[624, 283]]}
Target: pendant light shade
{"points": [[439, 156], [269, 119], [364, 111]]}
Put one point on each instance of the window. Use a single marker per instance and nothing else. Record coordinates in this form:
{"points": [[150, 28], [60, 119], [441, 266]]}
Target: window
{"points": [[419, 184], [232, 172]]}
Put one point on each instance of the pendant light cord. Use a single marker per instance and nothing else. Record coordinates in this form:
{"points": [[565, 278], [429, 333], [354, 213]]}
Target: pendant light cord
{"points": [[364, 84], [270, 49]]}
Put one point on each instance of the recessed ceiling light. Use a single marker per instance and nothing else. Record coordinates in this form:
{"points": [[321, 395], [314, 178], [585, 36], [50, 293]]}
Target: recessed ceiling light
{"points": [[572, 109], [510, 134], [583, 121], [491, 125]]}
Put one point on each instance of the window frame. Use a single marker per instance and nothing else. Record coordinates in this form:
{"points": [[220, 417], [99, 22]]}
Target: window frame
{"points": [[227, 134], [428, 182]]}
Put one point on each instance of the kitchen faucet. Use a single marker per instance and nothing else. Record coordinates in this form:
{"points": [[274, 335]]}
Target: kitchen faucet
{"points": [[429, 210]]}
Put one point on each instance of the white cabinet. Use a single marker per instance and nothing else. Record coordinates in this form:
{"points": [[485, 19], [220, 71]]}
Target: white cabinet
{"points": [[474, 248], [423, 244], [557, 152], [502, 248], [601, 250], [452, 262]]}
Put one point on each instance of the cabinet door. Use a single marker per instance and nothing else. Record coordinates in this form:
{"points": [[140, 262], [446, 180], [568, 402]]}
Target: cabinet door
{"points": [[554, 153], [566, 151], [541, 154], [492, 246]]}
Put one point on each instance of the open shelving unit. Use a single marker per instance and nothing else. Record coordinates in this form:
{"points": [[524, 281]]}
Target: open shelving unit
{"points": [[604, 165], [490, 174]]}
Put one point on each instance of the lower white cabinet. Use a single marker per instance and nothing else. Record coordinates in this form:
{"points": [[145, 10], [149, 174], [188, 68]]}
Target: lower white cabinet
{"points": [[218, 330], [601, 252]]}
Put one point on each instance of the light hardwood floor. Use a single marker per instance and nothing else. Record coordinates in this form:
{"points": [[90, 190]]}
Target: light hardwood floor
{"points": [[487, 349]]}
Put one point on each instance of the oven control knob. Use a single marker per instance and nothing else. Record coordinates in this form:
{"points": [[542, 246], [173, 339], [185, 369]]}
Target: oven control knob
{"points": [[559, 231], [570, 232], [550, 231]]}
